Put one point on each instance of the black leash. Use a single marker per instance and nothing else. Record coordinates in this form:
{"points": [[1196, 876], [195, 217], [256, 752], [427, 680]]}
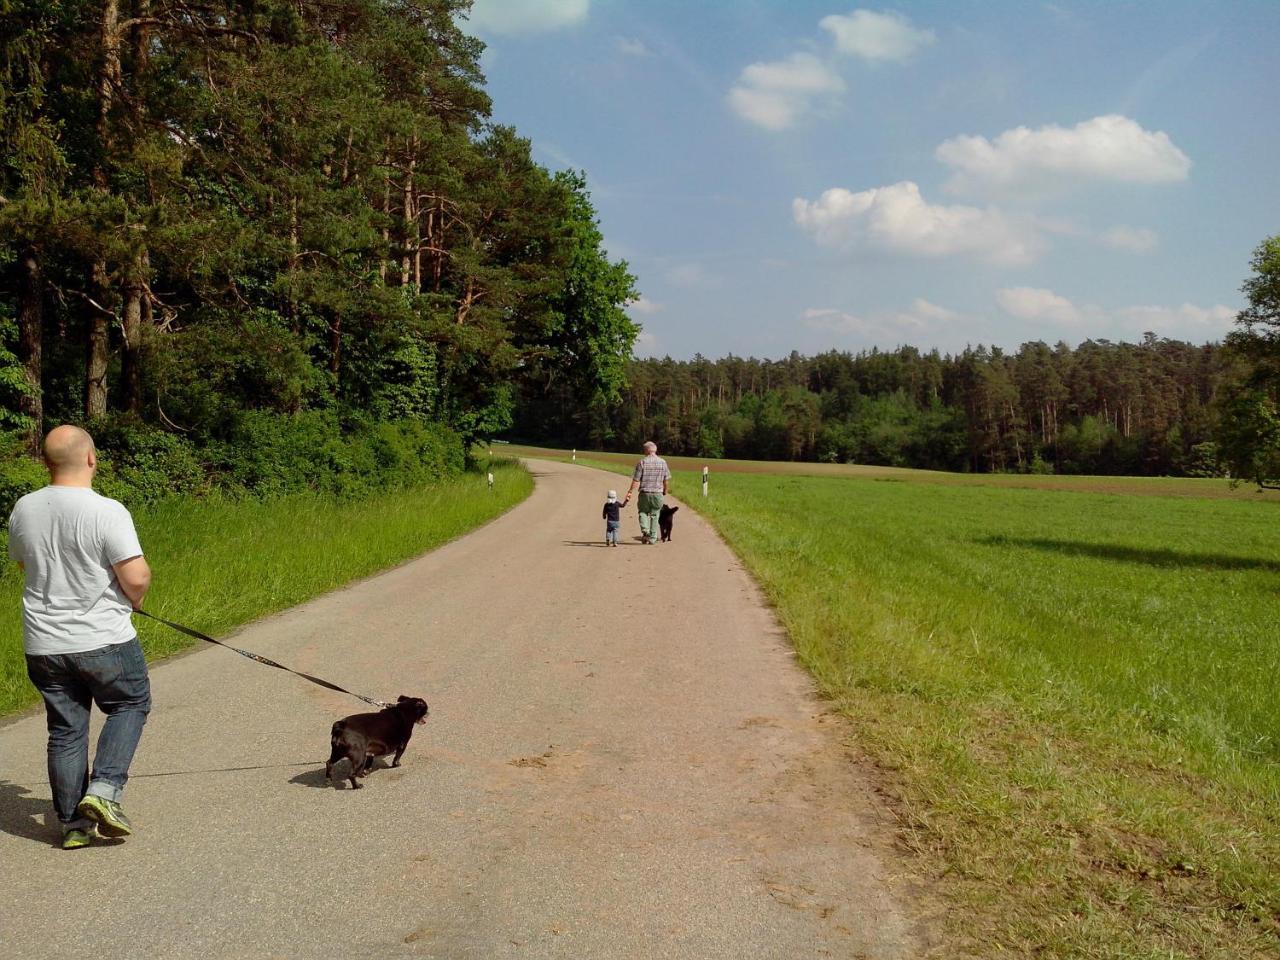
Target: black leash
{"points": [[253, 656]]}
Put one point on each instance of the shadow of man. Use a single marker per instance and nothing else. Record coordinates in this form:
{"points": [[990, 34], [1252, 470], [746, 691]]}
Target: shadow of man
{"points": [[23, 815]]}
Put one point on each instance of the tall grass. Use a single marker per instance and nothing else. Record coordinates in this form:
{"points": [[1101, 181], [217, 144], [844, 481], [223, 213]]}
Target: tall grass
{"points": [[1074, 696], [219, 564]]}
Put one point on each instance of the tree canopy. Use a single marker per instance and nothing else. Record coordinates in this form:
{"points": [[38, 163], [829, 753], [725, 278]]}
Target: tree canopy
{"points": [[214, 209], [1251, 420], [1099, 407]]}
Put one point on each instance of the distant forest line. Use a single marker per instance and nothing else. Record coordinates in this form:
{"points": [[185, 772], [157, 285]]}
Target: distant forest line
{"points": [[1102, 407]]}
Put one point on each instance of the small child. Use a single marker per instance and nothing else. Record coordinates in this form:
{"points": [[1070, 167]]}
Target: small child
{"points": [[612, 516]]}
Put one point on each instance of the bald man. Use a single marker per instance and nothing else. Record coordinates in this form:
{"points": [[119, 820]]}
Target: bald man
{"points": [[84, 576]]}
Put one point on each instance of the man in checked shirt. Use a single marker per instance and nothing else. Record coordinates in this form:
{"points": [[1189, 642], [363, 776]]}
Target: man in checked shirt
{"points": [[652, 476]]}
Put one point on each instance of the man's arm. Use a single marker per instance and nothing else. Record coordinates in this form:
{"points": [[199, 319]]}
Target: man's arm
{"points": [[134, 576], [635, 479]]}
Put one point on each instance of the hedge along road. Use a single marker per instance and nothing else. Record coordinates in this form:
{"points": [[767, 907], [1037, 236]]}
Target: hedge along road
{"points": [[623, 760]]}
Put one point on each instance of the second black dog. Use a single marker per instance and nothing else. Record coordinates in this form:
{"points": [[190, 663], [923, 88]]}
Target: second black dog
{"points": [[664, 521], [363, 737]]}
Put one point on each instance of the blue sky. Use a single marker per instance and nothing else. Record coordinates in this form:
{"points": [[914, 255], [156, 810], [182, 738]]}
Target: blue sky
{"points": [[807, 176]]}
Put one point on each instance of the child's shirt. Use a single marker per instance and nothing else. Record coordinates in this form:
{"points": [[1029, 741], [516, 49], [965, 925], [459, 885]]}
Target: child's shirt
{"points": [[612, 511]]}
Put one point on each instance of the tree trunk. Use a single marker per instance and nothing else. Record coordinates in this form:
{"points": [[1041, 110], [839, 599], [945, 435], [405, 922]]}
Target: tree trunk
{"points": [[30, 342], [410, 221], [335, 349], [136, 307], [108, 81], [96, 356], [386, 213]]}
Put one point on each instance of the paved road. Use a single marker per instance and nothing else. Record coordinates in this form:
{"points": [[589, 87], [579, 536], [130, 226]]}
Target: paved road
{"points": [[623, 761]]}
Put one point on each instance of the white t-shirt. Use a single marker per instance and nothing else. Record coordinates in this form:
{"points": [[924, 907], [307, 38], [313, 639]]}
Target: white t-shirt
{"points": [[68, 538]]}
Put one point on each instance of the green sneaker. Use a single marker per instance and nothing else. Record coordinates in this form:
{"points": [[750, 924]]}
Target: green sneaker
{"points": [[107, 813], [76, 838]]}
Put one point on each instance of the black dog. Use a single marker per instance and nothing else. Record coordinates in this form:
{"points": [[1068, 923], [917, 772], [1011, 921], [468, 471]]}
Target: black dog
{"points": [[664, 521], [362, 737]]}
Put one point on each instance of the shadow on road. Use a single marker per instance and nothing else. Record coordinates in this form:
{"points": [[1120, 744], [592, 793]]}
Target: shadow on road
{"points": [[593, 543], [316, 778], [192, 773], [23, 815], [1155, 557]]}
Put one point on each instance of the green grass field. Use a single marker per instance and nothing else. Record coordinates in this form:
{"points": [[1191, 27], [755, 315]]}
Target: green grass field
{"points": [[1198, 489], [220, 564], [1073, 696]]}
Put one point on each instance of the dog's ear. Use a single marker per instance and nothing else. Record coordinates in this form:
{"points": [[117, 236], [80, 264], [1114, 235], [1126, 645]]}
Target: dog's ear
{"points": [[402, 698], [674, 509]]}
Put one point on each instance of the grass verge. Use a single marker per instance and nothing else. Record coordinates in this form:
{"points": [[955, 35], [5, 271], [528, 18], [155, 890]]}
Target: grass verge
{"points": [[1073, 697], [219, 564]]}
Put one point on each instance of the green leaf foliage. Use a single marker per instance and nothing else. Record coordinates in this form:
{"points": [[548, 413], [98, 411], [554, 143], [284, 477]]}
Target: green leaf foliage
{"points": [[289, 210], [1249, 436]]}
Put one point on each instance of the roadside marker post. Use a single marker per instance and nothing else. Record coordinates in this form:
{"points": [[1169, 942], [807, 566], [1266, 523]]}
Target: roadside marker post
{"points": [[575, 454], [490, 481], [706, 475]]}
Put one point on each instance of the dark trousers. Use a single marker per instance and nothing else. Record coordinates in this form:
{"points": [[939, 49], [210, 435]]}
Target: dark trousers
{"points": [[115, 678]]}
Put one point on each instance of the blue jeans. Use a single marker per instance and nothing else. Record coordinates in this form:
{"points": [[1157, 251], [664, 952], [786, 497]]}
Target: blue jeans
{"points": [[115, 678], [611, 528]]}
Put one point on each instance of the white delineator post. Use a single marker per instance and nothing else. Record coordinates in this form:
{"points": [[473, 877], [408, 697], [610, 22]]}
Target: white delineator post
{"points": [[575, 454], [706, 474], [491, 481]]}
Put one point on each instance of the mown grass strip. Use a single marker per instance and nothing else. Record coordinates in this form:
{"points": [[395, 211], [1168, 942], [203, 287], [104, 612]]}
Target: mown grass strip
{"points": [[219, 564], [1073, 695]]}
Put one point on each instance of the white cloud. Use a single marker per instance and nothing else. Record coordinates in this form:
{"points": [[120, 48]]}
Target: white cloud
{"points": [[897, 218], [830, 320], [876, 37], [527, 16], [646, 344], [1038, 305], [633, 47], [1110, 147], [921, 319], [925, 312], [557, 156], [774, 95], [1187, 322], [1130, 239], [644, 306], [691, 275]]}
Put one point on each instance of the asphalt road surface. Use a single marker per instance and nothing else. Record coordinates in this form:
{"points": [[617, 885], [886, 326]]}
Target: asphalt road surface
{"points": [[623, 760]]}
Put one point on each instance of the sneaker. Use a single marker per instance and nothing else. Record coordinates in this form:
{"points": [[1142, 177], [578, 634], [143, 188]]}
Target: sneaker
{"points": [[107, 813], [76, 838]]}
